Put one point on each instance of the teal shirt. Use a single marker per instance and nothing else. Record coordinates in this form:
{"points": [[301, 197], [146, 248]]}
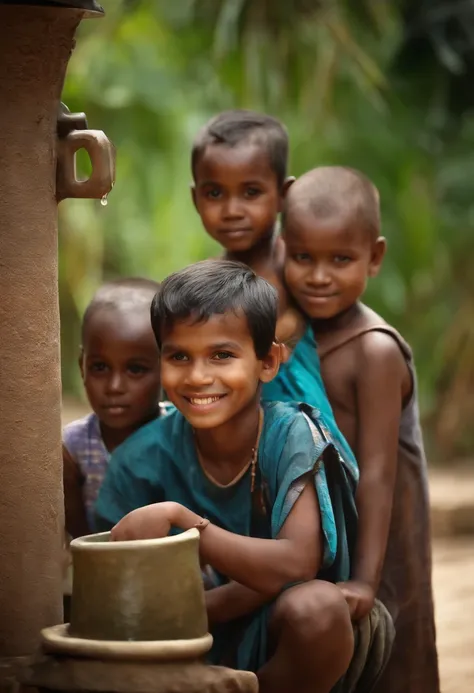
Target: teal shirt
{"points": [[299, 380], [159, 463]]}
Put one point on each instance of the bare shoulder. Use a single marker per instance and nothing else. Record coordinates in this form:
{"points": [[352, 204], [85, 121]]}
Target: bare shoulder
{"points": [[378, 357], [380, 347]]}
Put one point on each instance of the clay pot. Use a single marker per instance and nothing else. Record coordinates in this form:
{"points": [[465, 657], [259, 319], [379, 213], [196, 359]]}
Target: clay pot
{"points": [[142, 590]]}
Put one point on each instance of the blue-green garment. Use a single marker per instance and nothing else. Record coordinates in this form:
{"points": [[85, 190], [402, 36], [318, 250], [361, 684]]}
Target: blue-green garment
{"points": [[299, 380], [159, 463]]}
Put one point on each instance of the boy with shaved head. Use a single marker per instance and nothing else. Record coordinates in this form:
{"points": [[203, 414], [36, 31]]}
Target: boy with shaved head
{"points": [[332, 235]]}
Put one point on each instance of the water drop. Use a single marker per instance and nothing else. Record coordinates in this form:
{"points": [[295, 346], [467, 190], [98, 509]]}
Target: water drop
{"points": [[103, 200]]}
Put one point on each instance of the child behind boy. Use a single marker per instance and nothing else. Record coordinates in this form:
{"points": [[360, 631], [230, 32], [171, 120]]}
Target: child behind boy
{"points": [[119, 363], [239, 161], [259, 475], [331, 230], [239, 166]]}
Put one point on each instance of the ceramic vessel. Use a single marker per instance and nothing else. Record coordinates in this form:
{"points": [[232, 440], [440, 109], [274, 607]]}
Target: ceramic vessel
{"points": [[143, 590]]}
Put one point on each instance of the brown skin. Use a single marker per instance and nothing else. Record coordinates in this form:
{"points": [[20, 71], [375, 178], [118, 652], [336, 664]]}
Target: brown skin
{"points": [[237, 195], [211, 373], [261, 565], [120, 367], [219, 362], [367, 380]]}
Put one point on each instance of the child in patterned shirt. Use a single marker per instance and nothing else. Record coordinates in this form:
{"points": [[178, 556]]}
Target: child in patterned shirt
{"points": [[120, 367]]}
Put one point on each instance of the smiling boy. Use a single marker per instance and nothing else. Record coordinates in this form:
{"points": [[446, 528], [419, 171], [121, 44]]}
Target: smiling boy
{"points": [[252, 478]]}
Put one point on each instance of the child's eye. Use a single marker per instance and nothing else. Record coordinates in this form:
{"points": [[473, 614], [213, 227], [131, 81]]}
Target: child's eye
{"points": [[222, 355], [179, 356], [214, 193], [302, 257], [253, 192], [341, 259], [138, 369], [98, 367]]}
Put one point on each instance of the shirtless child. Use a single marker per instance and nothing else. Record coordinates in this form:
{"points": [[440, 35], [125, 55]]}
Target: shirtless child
{"points": [[331, 230]]}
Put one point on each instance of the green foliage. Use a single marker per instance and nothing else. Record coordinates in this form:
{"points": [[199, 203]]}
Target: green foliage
{"points": [[367, 84]]}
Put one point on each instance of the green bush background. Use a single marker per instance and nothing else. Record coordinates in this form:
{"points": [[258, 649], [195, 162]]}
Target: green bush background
{"points": [[385, 88]]}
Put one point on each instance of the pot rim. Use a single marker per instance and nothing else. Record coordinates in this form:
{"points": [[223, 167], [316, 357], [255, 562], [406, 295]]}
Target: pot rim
{"points": [[90, 543]]}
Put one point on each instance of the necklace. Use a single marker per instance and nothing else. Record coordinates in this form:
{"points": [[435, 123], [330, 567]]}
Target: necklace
{"points": [[252, 463]]}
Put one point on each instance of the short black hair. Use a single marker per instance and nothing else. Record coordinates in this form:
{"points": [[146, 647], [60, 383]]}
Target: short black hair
{"points": [[335, 191], [127, 293], [216, 287], [231, 128]]}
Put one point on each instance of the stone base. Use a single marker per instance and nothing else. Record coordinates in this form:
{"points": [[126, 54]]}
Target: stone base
{"points": [[50, 673]]}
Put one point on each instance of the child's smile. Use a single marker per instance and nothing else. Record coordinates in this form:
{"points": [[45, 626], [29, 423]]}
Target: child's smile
{"points": [[327, 264], [204, 402], [210, 370]]}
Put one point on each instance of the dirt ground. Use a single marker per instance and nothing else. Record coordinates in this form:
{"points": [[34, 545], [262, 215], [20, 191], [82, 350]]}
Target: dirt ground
{"points": [[454, 595], [453, 576]]}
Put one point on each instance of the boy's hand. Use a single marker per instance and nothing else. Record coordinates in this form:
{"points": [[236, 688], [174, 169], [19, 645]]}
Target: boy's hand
{"points": [[359, 597], [150, 522]]}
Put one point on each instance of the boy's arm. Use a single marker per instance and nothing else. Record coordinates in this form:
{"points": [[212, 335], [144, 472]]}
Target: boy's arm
{"points": [[75, 512], [231, 601], [381, 373], [263, 565]]}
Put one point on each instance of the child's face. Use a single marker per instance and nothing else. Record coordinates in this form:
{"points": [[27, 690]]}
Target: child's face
{"points": [[328, 263], [120, 368], [210, 371], [236, 194]]}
